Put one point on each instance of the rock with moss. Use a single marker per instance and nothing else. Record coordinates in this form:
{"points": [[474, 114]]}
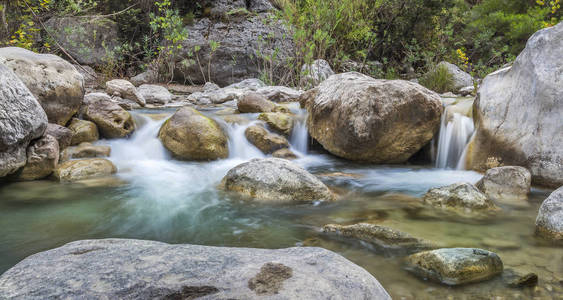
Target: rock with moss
{"points": [[380, 236], [89, 39], [356, 117], [21, 120], [42, 159], [111, 119], [281, 123], [83, 131], [509, 185], [274, 180], [135, 269], [455, 266], [124, 89], [549, 222], [85, 150], [265, 141], [189, 135], [81, 169], [54, 82], [459, 198]]}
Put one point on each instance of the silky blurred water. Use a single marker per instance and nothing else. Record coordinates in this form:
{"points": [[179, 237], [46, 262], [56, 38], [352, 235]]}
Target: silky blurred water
{"points": [[155, 197]]}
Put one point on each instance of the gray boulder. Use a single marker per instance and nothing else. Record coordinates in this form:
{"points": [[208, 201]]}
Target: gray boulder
{"points": [[382, 121], [242, 45], [135, 269], [89, 39], [155, 94], [455, 266], [54, 82], [508, 185], [42, 159], [275, 180], [461, 79], [61, 133], [21, 120], [280, 93], [315, 73], [111, 119], [518, 112], [461, 198], [124, 89], [255, 103], [149, 76], [252, 84], [380, 236], [549, 223]]}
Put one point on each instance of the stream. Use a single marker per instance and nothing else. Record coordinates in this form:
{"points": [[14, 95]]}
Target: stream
{"points": [[158, 198]]}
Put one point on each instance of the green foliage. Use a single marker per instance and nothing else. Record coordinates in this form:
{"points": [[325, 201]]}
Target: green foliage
{"points": [[438, 79]]}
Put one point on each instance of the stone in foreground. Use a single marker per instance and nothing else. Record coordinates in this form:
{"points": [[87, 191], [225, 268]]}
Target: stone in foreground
{"points": [[455, 266], [190, 135], [275, 180], [508, 185], [549, 223], [135, 269], [380, 236], [356, 117], [74, 170]]}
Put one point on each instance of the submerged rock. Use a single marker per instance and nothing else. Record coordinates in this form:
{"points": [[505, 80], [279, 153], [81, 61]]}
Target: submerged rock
{"points": [[382, 121], [42, 159], [21, 120], [135, 269], [56, 84], [190, 135], [528, 280], [265, 141], [275, 180], [111, 120], [508, 185], [455, 266], [380, 236], [549, 223], [124, 89], [85, 150], [518, 112], [460, 198], [81, 169], [61, 133], [83, 131], [281, 123], [284, 153]]}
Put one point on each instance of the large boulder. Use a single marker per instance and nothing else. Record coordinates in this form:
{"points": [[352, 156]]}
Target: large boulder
{"points": [[518, 112], [42, 159], [54, 82], [83, 131], [80, 169], [155, 94], [275, 180], [461, 78], [549, 223], [242, 47], [190, 135], [315, 73], [455, 266], [89, 39], [508, 185], [265, 141], [61, 133], [382, 121], [111, 119], [459, 198], [21, 120], [382, 237], [135, 269], [125, 89]]}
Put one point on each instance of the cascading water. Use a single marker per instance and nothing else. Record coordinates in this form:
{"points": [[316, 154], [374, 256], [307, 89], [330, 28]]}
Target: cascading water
{"points": [[455, 131]]}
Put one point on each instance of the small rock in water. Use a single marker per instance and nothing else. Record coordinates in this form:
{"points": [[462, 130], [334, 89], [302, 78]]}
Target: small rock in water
{"points": [[80, 169], [528, 280], [459, 198], [265, 141], [549, 223], [281, 123], [255, 103], [380, 236], [83, 131], [284, 153], [85, 150], [508, 185], [455, 266]]}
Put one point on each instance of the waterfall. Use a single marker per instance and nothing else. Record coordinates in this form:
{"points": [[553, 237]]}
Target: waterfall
{"points": [[455, 131], [239, 147]]}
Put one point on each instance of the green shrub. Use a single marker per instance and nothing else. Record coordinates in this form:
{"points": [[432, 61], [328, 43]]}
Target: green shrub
{"points": [[438, 79]]}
